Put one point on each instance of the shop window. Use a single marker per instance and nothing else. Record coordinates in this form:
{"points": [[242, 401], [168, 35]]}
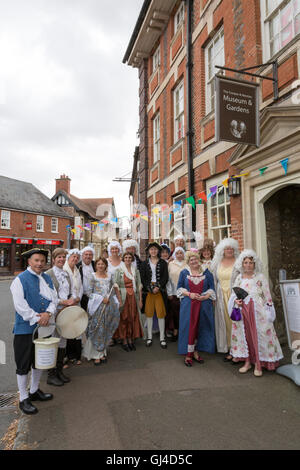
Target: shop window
{"points": [[4, 257], [5, 219], [180, 214]]}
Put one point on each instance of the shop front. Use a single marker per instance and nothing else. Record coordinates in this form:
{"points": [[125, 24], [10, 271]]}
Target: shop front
{"points": [[11, 250], [5, 255]]}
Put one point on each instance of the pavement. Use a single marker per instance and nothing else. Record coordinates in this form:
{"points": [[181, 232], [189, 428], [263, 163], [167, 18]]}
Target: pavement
{"points": [[149, 400]]}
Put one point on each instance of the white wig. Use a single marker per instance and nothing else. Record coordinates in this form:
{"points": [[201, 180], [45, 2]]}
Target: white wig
{"points": [[74, 251], [178, 248], [129, 243], [112, 244], [180, 237], [248, 254], [219, 251], [87, 248]]}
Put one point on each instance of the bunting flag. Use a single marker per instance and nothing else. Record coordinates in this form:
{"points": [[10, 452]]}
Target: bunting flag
{"points": [[79, 226], [262, 170], [191, 200], [284, 164], [225, 183], [202, 196], [95, 223]]}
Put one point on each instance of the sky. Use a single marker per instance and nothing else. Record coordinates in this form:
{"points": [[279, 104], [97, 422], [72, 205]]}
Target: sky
{"points": [[68, 105]]}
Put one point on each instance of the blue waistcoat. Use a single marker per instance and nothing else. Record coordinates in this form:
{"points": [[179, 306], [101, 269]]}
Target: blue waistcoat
{"points": [[31, 288]]}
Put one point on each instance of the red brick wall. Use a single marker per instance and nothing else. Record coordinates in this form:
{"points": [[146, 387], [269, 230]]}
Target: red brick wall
{"points": [[18, 227]]}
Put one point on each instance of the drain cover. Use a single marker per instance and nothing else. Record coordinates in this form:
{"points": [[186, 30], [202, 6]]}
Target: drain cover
{"points": [[8, 400]]}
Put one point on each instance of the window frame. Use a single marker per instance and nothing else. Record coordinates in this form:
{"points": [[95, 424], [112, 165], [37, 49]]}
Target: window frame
{"points": [[267, 17], [179, 18], [212, 229], [209, 78], [52, 219], [156, 59], [40, 222], [179, 216], [156, 138], [156, 223], [3, 218], [178, 117]]}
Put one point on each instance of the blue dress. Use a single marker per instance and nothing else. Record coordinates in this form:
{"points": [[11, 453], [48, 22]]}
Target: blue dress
{"points": [[206, 327]]}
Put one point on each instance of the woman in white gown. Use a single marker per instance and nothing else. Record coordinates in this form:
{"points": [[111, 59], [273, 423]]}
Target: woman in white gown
{"points": [[253, 337]]}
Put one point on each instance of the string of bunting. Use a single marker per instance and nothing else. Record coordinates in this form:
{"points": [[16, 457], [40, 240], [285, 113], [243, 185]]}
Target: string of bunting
{"points": [[199, 198]]}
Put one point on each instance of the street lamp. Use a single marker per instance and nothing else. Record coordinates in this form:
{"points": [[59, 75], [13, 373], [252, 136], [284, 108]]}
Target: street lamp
{"points": [[234, 186]]}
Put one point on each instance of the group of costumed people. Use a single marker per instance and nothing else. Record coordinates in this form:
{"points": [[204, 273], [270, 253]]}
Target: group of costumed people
{"points": [[209, 299]]}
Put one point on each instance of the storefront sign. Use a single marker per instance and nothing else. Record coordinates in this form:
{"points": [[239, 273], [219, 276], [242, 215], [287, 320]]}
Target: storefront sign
{"points": [[28, 225], [24, 241], [48, 242], [5, 240], [237, 111]]}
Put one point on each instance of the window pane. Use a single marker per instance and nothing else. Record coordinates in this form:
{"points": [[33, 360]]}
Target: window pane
{"points": [[228, 214], [222, 215], [216, 237], [214, 218], [221, 196], [224, 233]]}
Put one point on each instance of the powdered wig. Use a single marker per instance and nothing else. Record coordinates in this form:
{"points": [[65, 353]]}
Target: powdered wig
{"points": [[219, 251], [178, 248], [87, 248], [111, 245], [74, 251], [190, 254], [129, 243], [248, 254]]}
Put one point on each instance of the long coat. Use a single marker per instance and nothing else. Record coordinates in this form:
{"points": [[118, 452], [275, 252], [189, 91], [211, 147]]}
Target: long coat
{"points": [[162, 277]]}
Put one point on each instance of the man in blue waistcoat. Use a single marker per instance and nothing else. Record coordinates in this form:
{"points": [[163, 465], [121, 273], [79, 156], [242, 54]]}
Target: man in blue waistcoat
{"points": [[35, 301]]}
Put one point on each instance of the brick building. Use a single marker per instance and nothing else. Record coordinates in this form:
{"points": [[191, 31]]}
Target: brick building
{"points": [[28, 219], [85, 214], [175, 46]]}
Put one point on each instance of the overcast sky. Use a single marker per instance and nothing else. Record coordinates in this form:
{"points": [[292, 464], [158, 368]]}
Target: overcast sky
{"points": [[67, 102]]}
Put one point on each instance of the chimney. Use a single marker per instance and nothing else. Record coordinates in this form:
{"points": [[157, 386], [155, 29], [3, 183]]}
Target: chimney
{"points": [[63, 183]]}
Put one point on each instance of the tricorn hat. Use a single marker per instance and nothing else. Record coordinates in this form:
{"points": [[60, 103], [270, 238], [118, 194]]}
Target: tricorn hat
{"points": [[35, 251], [155, 244], [71, 322]]}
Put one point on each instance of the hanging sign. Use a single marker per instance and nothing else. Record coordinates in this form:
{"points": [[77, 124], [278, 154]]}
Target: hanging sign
{"points": [[237, 111]]}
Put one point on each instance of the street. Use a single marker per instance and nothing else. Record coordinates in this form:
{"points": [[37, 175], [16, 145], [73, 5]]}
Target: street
{"points": [[149, 400]]}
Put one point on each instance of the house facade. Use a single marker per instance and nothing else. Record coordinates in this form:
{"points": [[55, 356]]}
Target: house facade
{"points": [[176, 46], [28, 219], [86, 215]]}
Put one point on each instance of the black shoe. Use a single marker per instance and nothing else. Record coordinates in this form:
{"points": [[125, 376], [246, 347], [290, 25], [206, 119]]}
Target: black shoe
{"points": [[39, 395], [163, 344], [53, 378], [126, 347], [133, 348], [63, 377], [97, 363], [27, 407], [148, 343], [174, 338]]}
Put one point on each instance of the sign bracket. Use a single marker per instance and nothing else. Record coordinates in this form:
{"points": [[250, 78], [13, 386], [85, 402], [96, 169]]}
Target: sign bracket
{"points": [[244, 71]]}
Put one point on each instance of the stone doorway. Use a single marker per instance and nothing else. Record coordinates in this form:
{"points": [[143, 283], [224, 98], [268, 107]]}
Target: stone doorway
{"points": [[282, 216]]}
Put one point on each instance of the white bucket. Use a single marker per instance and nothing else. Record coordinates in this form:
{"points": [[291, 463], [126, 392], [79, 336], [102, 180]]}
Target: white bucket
{"points": [[46, 352]]}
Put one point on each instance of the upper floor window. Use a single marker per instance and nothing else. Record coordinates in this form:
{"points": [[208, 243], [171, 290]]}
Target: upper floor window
{"points": [[5, 219], [214, 55], [156, 138], [178, 97], [281, 23], [54, 225], [156, 59], [40, 223], [156, 223], [179, 17]]}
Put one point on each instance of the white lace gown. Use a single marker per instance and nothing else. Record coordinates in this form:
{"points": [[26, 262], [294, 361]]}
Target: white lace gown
{"points": [[269, 349]]}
